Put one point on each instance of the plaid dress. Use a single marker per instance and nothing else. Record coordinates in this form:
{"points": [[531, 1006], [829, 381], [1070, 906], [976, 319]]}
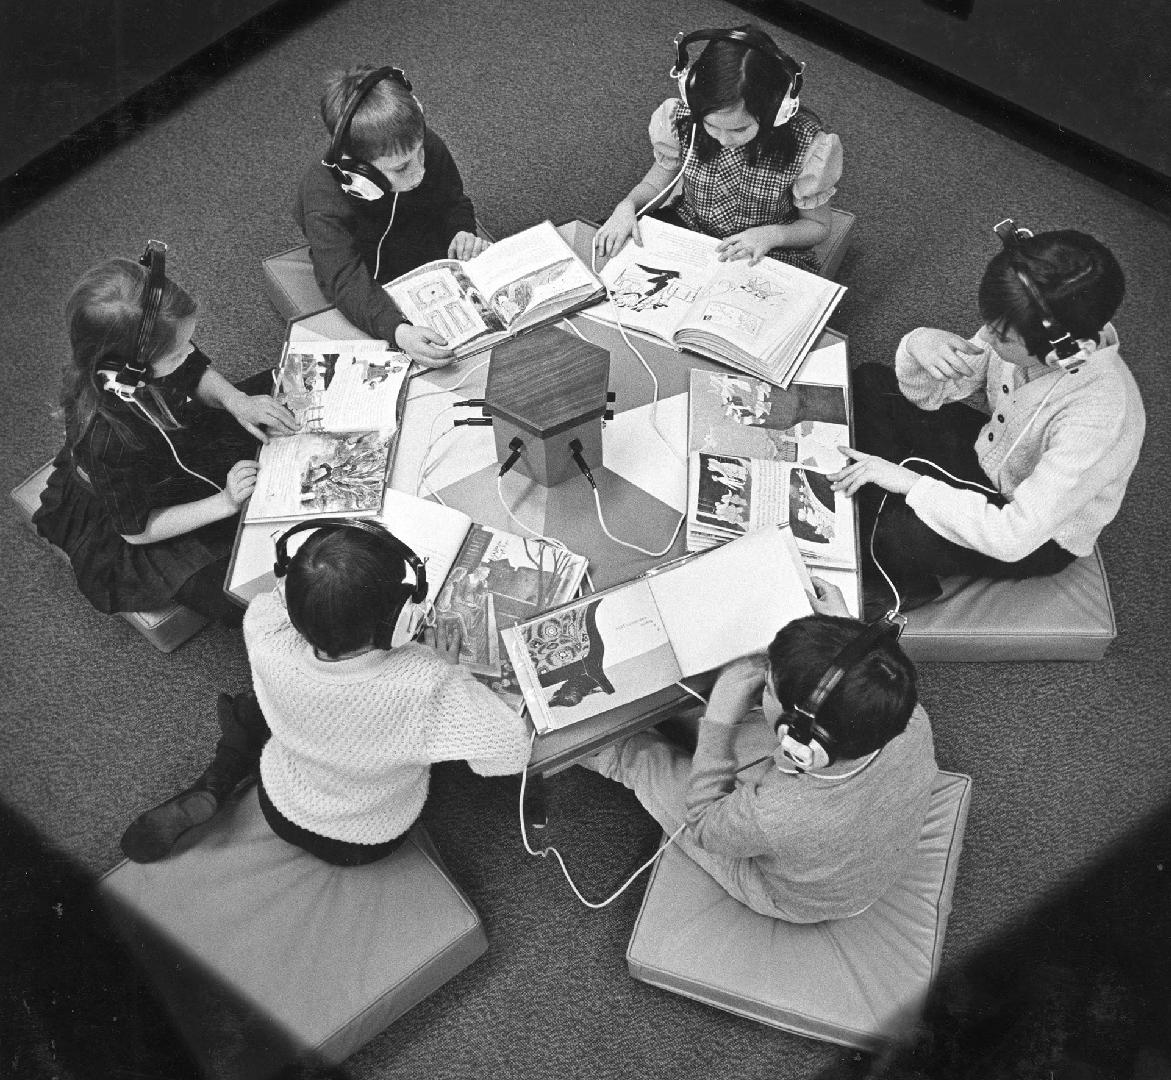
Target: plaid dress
{"points": [[727, 195]]}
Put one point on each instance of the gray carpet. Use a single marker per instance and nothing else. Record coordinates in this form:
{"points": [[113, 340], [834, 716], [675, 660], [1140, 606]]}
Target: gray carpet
{"points": [[544, 106]]}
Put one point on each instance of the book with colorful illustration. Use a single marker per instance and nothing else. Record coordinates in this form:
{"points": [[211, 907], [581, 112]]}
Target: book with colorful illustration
{"points": [[761, 319], [482, 580], [513, 285], [344, 395], [759, 455], [629, 641]]}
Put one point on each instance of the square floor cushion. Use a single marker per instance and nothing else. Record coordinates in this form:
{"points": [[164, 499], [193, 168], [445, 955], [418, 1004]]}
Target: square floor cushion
{"points": [[856, 981], [1065, 616], [265, 955]]}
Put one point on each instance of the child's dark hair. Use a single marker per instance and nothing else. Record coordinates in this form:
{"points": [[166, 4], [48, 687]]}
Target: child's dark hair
{"points": [[103, 313], [388, 122], [873, 701], [728, 72], [344, 590], [1076, 275]]}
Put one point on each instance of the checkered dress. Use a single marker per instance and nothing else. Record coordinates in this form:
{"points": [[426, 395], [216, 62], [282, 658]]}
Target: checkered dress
{"points": [[727, 195]]}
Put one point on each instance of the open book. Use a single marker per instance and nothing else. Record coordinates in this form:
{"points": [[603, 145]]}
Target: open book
{"points": [[762, 319], [758, 455], [682, 619], [344, 395], [515, 284], [482, 580]]}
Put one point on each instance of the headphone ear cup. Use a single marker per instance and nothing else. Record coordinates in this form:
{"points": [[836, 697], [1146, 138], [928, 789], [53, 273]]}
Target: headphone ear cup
{"points": [[787, 110], [1086, 348], [405, 626], [361, 180], [805, 756]]}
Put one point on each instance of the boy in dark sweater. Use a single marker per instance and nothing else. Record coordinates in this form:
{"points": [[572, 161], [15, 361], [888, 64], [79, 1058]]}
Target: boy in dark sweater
{"points": [[385, 198]]}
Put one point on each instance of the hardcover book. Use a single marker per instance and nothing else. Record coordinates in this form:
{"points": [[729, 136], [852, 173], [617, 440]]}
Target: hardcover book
{"points": [[345, 397], [761, 319], [687, 617], [759, 455], [516, 283]]}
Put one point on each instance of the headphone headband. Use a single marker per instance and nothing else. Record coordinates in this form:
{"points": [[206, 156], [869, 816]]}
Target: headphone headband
{"points": [[801, 721], [124, 381], [1065, 350], [417, 593], [342, 128]]}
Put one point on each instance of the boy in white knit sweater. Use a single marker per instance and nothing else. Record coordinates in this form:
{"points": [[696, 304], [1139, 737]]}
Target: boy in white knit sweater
{"points": [[355, 720], [1035, 417]]}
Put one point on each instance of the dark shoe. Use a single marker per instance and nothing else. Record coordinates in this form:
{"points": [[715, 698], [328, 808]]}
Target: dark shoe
{"points": [[153, 834]]}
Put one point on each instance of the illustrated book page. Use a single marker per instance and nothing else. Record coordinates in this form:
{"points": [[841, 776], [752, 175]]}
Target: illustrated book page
{"points": [[513, 284], [759, 454], [730, 496], [628, 642], [344, 396], [763, 319], [481, 580]]}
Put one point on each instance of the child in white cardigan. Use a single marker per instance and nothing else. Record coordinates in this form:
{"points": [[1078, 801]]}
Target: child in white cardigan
{"points": [[355, 718], [1004, 454]]}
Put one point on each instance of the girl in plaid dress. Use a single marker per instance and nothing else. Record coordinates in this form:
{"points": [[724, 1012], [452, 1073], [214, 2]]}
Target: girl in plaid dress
{"points": [[756, 170]]}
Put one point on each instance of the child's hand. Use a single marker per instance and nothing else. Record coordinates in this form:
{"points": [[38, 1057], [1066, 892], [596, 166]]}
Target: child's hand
{"points": [[620, 226], [828, 599], [241, 482], [465, 245], [258, 412], [751, 244], [869, 469], [445, 638], [942, 354], [738, 689], [423, 344]]}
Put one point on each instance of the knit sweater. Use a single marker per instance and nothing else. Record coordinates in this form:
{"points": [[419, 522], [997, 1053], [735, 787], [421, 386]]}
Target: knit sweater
{"points": [[1060, 446], [812, 848], [353, 740]]}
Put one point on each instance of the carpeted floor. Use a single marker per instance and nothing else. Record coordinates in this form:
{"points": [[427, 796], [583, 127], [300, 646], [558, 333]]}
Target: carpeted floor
{"points": [[545, 105]]}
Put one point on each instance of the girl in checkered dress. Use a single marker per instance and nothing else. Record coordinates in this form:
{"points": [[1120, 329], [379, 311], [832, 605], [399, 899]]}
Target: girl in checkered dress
{"points": [[756, 170]]}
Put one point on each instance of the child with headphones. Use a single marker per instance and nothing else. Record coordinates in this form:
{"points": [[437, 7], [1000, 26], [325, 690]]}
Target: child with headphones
{"points": [[357, 711], [1005, 454], [811, 772], [757, 169], [159, 447], [386, 198]]}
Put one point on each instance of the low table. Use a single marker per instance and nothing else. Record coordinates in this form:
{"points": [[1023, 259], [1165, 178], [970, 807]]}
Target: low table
{"points": [[643, 482]]}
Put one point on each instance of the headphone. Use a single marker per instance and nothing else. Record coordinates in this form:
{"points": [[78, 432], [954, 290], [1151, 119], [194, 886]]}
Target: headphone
{"points": [[131, 376], [793, 72], [353, 175], [404, 623], [1065, 351], [803, 740]]}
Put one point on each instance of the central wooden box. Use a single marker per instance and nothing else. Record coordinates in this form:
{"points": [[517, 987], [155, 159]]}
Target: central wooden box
{"points": [[548, 388]]}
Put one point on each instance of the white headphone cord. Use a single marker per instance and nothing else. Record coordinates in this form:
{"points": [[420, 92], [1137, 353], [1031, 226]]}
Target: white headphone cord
{"points": [[146, 412], [614, 306], [545, 852], [378, 253], [626, 543]]}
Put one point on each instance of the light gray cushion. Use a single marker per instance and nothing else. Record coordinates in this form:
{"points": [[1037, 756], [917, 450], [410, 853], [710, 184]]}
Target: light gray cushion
{"points": [[854, 981], [264, 954], [1065, 616]]}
